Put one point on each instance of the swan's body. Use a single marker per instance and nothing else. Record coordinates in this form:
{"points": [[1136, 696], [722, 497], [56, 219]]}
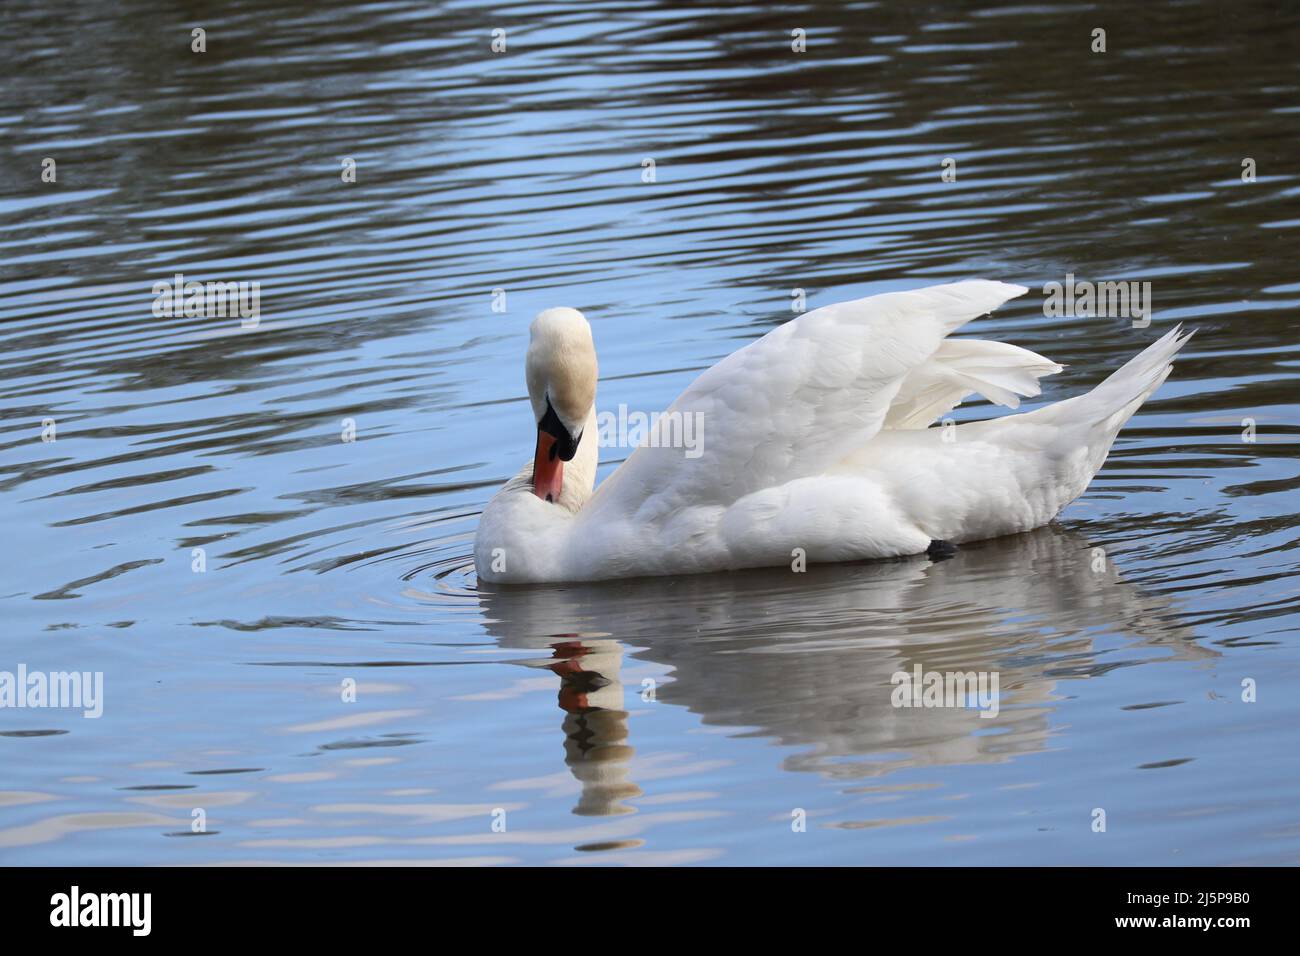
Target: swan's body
{"points": [[815, 443]]}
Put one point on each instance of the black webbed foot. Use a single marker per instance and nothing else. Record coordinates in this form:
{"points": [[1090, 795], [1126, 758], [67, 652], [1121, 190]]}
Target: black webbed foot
{"points": [[940, 550]]}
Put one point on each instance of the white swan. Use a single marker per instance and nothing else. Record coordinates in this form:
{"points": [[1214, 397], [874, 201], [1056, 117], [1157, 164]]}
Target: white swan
{"points": [[815, 437]]}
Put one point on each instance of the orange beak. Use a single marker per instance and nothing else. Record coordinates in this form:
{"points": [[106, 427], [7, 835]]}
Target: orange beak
{"points": [[548, 469]]}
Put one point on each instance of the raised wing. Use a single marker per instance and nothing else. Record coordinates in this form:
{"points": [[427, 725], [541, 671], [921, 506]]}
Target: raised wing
{"points": [[793, 402]]}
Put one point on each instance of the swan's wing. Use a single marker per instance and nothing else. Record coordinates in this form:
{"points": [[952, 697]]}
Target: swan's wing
{"points": [[960, 368], [792, 403]]}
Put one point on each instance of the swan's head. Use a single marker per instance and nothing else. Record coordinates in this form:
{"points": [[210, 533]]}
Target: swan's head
{"points": [[561, 372]]}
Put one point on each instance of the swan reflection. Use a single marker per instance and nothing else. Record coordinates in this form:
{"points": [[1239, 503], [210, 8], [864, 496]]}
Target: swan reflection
{"points": [[806, 659]]}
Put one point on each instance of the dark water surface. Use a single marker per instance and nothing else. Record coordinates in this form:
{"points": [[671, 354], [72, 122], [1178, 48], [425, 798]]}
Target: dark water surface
{"points": [[330, 561]]}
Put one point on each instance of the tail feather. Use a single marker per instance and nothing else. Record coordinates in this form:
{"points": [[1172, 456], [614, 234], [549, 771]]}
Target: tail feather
{"points": [[1113, 402], [1091, 421]]}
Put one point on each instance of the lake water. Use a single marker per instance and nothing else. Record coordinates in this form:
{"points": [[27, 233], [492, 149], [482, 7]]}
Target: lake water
{"points": [[682, 720]]}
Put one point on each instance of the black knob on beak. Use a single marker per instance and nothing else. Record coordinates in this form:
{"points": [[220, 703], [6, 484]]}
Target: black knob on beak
{"points": [[566, 445]]}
